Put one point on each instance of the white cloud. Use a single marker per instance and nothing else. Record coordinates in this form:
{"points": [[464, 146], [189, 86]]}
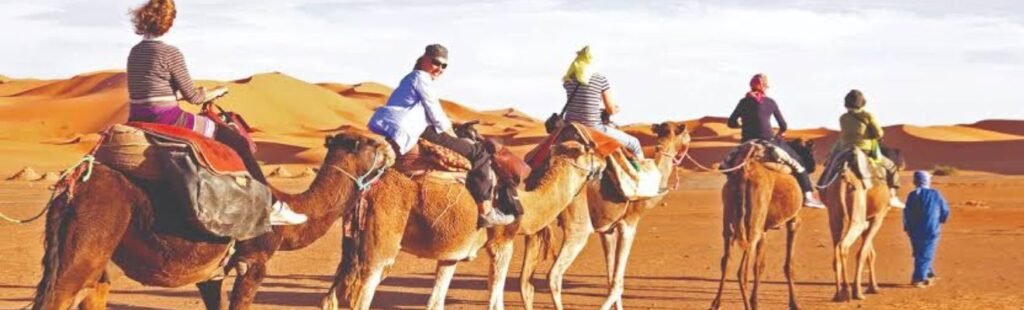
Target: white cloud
{"points": [[916, 62]]}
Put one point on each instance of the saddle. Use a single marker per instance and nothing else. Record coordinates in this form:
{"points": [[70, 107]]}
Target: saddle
{"points": [[627, 182], [858, 162], [208, 178], [603, 144], [763, 152], [427, 158]]}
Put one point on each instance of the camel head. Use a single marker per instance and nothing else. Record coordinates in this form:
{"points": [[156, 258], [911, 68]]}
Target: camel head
{"points": [[358, 152], [553, 123], [579, 155], [804, 148], [671, 136]]}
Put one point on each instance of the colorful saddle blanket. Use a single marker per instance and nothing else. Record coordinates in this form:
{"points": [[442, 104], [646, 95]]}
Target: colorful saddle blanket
{"points": [[211, 154]]}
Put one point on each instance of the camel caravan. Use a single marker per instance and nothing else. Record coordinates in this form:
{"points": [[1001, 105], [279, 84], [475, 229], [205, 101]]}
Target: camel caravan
{"points": [[173, 198]]}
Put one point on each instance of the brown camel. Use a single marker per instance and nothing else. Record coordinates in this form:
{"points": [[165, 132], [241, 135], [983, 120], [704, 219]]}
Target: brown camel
{"points": [[112, 218], [855, 214], [604, 211], [437, 219], [755, 199]]}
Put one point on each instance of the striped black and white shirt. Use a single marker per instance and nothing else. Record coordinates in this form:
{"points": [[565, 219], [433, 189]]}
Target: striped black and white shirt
{"points": [[157, 69], [586, 105]]}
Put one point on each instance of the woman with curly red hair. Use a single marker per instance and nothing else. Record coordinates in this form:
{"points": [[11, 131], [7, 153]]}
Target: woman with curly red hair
{"points": [[157, 72]]}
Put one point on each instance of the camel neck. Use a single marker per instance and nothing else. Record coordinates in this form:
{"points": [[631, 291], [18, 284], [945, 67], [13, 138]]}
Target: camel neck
{"points": [[324, 202], [559, 185]]}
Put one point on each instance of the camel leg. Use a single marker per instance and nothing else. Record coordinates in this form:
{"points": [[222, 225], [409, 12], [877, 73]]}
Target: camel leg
{"points": [[371, 280], [791, 229], [91, 233], [212, 293], [531, 257], [862, 257], [873, 282], [501, 257], [336, 294], [627, 234], [98, 299], [717, 303], [443, 278], [743, 274], [759, 258], [868, 249], [575, 240], [609, 241], [243, 293]]}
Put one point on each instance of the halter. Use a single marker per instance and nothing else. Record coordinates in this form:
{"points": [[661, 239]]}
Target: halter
{"points": [[364, 181]]}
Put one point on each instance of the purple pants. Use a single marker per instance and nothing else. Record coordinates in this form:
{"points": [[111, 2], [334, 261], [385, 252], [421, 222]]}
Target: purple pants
{"points": [[171, 115]]}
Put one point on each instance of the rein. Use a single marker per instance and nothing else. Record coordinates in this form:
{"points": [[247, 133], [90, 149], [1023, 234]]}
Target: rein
{"points": [[66, 183]]}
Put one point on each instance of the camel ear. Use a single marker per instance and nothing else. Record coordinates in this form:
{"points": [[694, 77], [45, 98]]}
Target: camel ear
{"points": [[660, 130], [328, 141]]}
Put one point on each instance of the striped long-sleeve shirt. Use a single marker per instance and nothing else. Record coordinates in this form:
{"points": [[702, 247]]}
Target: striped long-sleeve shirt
{"points": [[586, 105], [157, 69]]}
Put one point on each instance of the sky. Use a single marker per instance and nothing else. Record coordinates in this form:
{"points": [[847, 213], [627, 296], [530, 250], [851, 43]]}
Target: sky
{"points": [[917, 62]]}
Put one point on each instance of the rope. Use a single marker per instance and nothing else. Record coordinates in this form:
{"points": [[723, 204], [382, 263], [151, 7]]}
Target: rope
{"points": [[834, 179], [451, 202], [63, 182], [746, 160]]}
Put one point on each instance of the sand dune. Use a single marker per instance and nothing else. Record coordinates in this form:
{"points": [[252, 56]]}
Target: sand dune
{"points": [[958, 134], [50, 123], [1013, 127]]}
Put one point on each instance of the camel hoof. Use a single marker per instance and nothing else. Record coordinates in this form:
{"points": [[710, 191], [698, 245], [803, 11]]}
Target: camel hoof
{"points": [[330, 301], [872, 290], [841, 297], [859, 296]]}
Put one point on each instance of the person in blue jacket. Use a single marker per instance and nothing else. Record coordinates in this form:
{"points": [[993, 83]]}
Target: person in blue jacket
{"points": [[926, 211]]}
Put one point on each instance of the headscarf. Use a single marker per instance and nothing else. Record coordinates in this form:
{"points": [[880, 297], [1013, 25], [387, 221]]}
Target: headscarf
{"points": [[758, 85], [580, 70], [922, 179]]}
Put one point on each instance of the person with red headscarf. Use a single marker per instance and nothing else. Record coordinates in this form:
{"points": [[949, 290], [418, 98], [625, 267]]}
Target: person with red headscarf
{"points": [[754, 114]]}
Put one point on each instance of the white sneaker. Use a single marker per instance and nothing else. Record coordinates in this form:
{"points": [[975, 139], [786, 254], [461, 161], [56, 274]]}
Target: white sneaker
{"points": [[812, 202], [894, 199], [495, 218], [281, 214], [896, 203]]}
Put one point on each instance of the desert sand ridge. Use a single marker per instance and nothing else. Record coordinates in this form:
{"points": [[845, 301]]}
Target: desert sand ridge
{"points": [[46, 123]]}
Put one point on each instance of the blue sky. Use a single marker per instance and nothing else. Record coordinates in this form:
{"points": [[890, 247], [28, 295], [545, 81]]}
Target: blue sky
{"points": [[918, 62]]}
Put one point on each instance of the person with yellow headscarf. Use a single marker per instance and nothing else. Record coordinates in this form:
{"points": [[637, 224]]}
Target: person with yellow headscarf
{"points": [[589, 95]]}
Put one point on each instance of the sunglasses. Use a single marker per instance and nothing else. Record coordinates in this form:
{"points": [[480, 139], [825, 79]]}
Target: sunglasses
{"points": [[436, 62]]}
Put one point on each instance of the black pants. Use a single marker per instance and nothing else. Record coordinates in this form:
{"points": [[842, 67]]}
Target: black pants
{"points": [[480, 180], [237, 142], [801, 178]]}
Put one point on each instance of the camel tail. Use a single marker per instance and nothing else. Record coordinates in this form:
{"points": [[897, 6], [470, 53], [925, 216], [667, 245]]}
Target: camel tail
{"points": [[546, 237], [57, 218]]}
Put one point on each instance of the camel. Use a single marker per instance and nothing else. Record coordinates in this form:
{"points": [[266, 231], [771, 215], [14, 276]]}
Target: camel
{"points": [[855, 214], [755, 199], [438, 220], [605, 212], [111, 217]]}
